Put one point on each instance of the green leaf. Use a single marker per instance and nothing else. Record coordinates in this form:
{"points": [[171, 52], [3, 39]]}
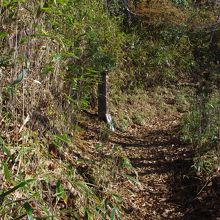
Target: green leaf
{"points": [[99, 211], [60, 192], [6, 151], [117, 198], [20, 77], [88, 215], [24, 40], [28, 210], [20, 185], [3, 35], [57, 57], [4, 148], [126, 163], [70, 55], [63, 138], [47, 69], [48, 10], [131, 179], [113, 214], [1, 141], [59, 189], [6, 172]]}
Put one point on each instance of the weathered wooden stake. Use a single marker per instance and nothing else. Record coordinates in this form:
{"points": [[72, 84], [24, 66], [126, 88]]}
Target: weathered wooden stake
{"points": [[102, 96]]}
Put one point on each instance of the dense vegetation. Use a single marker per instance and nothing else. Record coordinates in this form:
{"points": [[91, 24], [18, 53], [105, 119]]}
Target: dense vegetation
{"points": [[52, 55]]}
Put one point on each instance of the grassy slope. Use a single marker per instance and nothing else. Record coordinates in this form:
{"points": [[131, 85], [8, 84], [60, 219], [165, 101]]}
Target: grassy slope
{"points": [[40, 113]]}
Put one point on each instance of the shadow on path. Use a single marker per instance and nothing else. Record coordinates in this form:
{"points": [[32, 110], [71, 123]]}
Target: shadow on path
{"points": [[169, 190], [163, 164]]}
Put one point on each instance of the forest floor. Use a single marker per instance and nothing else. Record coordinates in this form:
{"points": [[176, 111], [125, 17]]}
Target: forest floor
{"points": [[163, 162], [168, 189]]}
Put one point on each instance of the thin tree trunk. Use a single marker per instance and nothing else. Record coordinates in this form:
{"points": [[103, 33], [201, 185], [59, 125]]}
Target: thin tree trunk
{"points": [[102, 96]]}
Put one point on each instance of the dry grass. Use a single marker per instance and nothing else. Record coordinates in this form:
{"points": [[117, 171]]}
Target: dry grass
{"points": [[159, 11], [141, 107]]}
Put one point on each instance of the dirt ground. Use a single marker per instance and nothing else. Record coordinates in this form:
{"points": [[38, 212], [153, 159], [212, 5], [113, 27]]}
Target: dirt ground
{"points": [[163, 163]]}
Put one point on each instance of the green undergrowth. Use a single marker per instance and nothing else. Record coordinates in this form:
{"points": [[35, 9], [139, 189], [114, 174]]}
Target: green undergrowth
{"points": [[60, 178], [51, 55], [200, 126]]}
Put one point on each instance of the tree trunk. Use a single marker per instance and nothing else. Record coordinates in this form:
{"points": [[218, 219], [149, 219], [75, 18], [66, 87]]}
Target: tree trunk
{"points": [[102, 96]]}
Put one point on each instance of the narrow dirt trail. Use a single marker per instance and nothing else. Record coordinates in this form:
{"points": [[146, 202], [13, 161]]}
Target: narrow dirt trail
{"points": [[161, 161]]}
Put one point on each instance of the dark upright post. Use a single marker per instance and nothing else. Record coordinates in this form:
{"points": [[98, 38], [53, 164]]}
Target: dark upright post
{"points": [[102, 96]]}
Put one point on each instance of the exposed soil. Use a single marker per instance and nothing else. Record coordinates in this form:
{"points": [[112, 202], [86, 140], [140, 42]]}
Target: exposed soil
{"points": [[168, 188], [163, 163]]}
